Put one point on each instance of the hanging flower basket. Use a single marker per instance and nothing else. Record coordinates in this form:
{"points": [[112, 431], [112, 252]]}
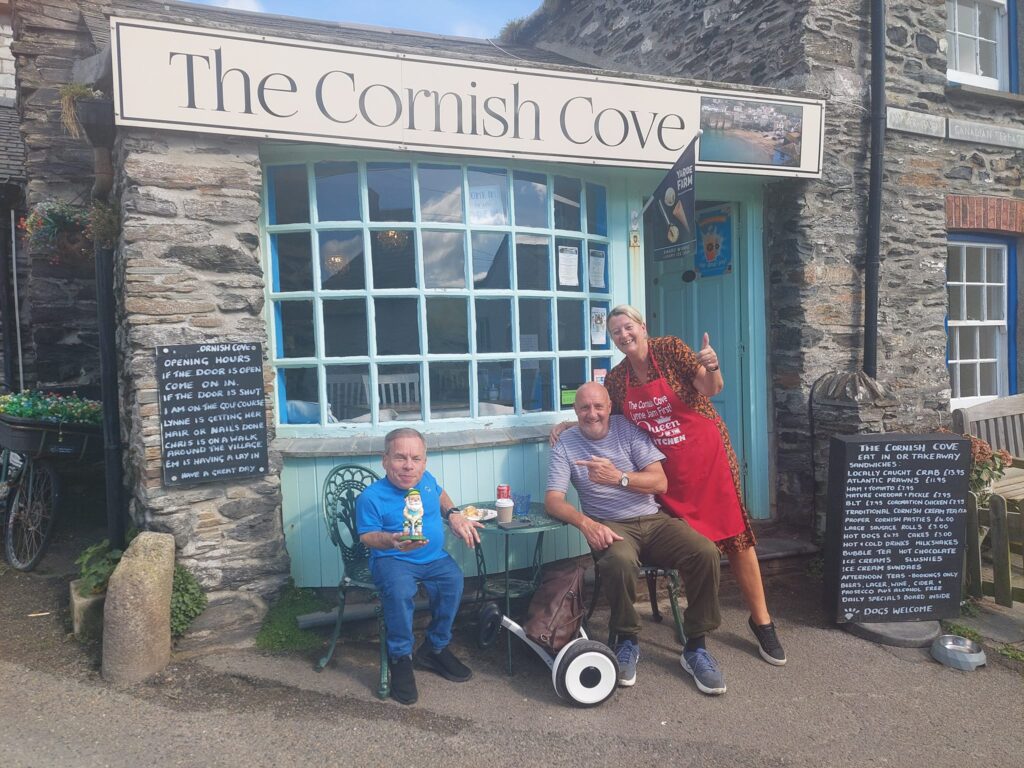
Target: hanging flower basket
{"points": [[60, 229]]}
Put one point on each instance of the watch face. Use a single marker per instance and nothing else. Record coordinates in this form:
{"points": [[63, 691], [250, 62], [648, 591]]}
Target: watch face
{"points": [[624, 481]]}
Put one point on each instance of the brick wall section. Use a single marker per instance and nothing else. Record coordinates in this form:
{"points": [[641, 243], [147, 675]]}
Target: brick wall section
{"points": [[189, 272], [975, 213], [59, 301]]}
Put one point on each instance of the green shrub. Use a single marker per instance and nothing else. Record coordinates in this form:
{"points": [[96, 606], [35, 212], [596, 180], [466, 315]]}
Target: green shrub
{"points": [[95, 565], [187, 600]]}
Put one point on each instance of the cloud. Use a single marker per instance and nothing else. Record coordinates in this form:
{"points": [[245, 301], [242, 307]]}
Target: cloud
{"points": [[240, 5], [469, 29]]}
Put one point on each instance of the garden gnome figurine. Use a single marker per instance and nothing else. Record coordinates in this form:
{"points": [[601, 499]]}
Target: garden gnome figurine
{"points": [[412, 526]]}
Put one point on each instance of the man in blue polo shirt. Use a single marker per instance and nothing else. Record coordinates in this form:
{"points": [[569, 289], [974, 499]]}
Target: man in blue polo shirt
{"points": [[398, 563]]}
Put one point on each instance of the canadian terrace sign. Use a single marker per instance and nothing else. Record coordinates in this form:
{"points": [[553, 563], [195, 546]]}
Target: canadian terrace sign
{"points": [[187, 78]]}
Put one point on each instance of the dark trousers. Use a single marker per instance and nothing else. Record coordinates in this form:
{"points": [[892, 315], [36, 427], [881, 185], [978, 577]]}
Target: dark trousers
{"points": [[665, 542]]}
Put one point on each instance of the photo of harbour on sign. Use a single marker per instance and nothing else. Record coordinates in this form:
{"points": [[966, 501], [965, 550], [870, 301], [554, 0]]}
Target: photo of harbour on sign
{"points": [[755, 132]]}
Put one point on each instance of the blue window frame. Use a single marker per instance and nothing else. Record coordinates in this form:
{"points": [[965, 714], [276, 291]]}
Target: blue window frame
{"points": [[430, 291], [983, 44]]}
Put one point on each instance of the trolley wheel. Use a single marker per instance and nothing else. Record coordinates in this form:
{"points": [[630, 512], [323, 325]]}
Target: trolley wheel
{"points": [[32, 515], [488, 624], [585, 672]]}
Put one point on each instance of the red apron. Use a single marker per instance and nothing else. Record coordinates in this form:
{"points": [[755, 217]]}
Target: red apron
{"points": [[700, 483]]}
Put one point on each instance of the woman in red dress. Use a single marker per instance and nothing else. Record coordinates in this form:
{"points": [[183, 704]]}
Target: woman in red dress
{"points": [[664, 387]]}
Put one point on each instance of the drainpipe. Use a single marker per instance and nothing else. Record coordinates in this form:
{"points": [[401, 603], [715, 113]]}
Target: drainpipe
{"points": [[871, 255]]}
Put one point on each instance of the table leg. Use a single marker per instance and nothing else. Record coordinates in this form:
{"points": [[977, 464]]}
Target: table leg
{"points": [[508, 607]]}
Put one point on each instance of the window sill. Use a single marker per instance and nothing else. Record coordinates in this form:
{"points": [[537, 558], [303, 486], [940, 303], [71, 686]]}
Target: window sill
{"points": [[369, 445], [959, 91]]}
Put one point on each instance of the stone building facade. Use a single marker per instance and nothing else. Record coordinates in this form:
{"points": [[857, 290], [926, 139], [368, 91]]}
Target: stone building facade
{"points": [[815, 231]]}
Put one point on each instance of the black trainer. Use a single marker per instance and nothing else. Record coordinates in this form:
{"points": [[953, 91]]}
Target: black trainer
{"points": [[768, 642], [403, 681], [443, 662]]}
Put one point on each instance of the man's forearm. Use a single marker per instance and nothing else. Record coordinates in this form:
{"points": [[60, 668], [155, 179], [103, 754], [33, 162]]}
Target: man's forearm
{"points": [[648, 480], [560, 509], [378, 540]]}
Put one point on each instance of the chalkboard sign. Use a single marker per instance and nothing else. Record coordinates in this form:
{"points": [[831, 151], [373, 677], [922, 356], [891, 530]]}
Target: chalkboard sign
{"points": [[897, 511], [213, 422]]}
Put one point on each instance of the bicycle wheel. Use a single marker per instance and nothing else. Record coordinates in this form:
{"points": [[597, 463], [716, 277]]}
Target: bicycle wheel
{"points": [[32, 515]]}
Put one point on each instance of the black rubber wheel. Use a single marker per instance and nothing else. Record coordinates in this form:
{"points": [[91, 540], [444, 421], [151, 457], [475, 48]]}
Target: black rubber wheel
{"points": [[488, 625], [587, 673], [32, 515]]}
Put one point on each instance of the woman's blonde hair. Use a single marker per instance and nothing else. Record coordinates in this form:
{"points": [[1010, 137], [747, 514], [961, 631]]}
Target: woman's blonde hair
{"points": [[631, 312]]}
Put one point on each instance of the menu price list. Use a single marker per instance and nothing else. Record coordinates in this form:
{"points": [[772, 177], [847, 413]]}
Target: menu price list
{"points": [[897, 510], [212, 408]]}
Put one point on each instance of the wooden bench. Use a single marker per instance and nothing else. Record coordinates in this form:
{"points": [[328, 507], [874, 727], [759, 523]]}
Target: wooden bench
{"points": [[1000, 423]]}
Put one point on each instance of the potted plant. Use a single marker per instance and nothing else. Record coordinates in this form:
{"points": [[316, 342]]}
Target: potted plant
{"points": [[987, 466], [59, 228], [95, 565]]}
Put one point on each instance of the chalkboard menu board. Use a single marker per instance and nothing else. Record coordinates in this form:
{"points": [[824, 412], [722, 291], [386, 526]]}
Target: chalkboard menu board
{"points": [[896, 524], [213, 423]]}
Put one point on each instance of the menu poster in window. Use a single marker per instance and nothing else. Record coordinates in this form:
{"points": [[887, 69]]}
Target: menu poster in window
{"points": [[212, 411], [597, 261], [714, 249], [896, 526], [598, 326], [568, 265], [486, 205]]}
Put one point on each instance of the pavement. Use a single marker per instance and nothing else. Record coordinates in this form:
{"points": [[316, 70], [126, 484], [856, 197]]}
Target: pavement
{"points": [[840, 700]]}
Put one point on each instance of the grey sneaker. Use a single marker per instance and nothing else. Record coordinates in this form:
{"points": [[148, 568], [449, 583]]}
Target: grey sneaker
{"points": [[627, 653], [705, 671], [768, 642]]}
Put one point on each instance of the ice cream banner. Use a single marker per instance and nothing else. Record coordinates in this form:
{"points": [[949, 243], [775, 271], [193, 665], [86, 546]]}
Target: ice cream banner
{"points": [[672, 225], [714, 251]]}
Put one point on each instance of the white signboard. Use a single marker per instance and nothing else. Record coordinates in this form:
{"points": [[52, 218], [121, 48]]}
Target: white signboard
{"points": [[186, 78]]}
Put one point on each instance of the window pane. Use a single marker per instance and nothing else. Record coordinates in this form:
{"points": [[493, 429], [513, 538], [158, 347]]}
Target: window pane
{"points": [[490, 260], [447, 326], [342, 266], [534, 325], [968, 338], [994, 269], [493, 325], [531, 198], [965, 19], [599, 367], [570, 325], [389, 189], [393, 252], [345, 328], [444, 259], [533, 259], [988, 59], [299, 396], [974, 259], [537, 385], [968, 385], [293, 261], [967, 50], [337, 192], [989, 338], [597, 259], [567, 203], [974, 308], [398, 326], [400, 392], [440, 193], [288, 194], [952, 345], [995, 308], [295, 329], [496, 387], [348, 391], [954, 265], [597, 210], [568, 254], [956, 309], [572, 373], [954, 380], [988, 26], [488, 196], [989, 379], [449, 390]]}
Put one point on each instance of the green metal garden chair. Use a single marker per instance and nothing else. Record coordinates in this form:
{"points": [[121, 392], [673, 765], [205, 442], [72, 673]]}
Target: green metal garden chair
{"points": [[341, 489], [650, 574]]}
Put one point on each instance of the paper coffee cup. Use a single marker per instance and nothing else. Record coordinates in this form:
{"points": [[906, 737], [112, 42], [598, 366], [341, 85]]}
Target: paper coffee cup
{"points": [[504, 507]]}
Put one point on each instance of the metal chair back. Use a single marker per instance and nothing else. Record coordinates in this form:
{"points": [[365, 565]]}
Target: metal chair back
{"points": [[341, 489]]}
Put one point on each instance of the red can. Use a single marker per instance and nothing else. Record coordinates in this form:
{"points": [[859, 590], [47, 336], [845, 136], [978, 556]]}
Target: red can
{"points": [[504, 492]]}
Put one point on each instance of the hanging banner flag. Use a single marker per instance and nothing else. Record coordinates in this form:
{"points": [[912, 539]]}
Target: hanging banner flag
{"points": [[673, 226]]}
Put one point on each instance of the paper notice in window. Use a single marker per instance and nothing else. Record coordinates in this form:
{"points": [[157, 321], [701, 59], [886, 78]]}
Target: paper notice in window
{"points": [[598, 326], [568, 265], [597, 259]]}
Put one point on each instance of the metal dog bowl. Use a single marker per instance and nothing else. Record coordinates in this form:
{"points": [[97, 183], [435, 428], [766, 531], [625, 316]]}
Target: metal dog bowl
{"points": [[958, 652]]}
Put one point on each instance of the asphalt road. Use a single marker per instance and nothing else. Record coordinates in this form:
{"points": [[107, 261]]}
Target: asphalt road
{"points": [[841, 701]]}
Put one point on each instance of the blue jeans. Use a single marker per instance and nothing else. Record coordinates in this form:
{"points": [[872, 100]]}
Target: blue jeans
{"points": [[396, 581]]}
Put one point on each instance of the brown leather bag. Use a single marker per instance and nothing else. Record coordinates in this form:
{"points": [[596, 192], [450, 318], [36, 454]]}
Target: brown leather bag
{"points": [[556, 609]]}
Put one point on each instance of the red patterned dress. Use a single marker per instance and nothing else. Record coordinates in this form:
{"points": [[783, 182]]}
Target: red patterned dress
{"points": [[678, 364]]}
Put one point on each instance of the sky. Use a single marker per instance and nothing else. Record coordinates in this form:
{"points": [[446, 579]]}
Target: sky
{"points": [[467, 18]]}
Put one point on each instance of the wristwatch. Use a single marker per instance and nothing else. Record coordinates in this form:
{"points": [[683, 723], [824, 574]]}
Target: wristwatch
{"points": [[449, 512], [624, 480]]}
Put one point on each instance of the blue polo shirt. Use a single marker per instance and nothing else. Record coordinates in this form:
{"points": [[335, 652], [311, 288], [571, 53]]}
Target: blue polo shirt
{"points": [[380, 507]]}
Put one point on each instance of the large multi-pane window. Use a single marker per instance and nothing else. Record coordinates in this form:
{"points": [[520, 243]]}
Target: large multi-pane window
{"points": [[976, 282], [425, 291], [977, 33]]}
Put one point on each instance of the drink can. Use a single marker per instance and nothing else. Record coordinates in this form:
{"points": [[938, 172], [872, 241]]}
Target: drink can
{"points": [[504, 492]]}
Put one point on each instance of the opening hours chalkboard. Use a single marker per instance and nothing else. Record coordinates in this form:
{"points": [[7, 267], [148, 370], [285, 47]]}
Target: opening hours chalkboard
{"points": [[897, 512], [213, 419]]}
